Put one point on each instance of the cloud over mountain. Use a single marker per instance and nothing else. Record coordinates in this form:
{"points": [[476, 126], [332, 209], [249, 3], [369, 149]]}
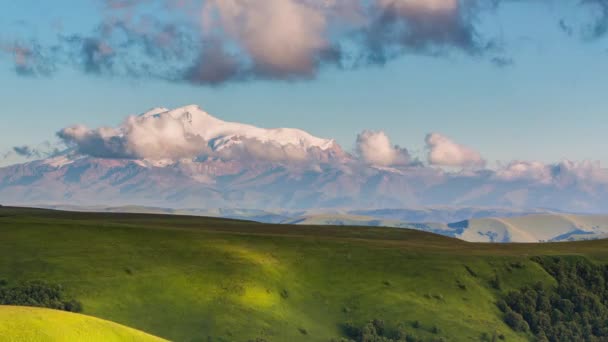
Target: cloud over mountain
{"points": [[584, 174], [374, 147], [445, 152], [143, 137]]}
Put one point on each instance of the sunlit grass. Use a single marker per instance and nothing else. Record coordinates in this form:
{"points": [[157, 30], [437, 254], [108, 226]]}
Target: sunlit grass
{"points": [[187, 279], [42, 325]]}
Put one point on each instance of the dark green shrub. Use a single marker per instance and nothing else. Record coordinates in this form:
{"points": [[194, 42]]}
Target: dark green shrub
{"points": [[379, 326], [72, 306], [411, 338], [351, 330], [495, 282], [284, 294], [516, 321], [471, 272], [377, 331]]}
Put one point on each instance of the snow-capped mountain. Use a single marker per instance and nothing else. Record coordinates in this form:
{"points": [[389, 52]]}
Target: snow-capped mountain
{"points": [[166, 136], [223, 134], [188, 158]]}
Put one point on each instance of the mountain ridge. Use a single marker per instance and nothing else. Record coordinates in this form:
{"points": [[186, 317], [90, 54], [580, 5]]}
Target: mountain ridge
{"points": [[220, 132], [187, 158]]}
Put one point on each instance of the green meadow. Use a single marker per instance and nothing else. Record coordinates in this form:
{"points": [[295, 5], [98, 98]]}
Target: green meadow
{"points": [[205, 279], [38, 324]]}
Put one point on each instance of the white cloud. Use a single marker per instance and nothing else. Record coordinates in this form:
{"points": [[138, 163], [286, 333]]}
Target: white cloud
{"points": [[280, 36], [152, 137], [525, 170], [445, 152], [374, 147], [564, 173]]}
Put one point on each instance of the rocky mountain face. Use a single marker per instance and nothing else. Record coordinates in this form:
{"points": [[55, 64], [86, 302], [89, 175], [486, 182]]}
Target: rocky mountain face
{"points": [[209, 183], [215, 183]]}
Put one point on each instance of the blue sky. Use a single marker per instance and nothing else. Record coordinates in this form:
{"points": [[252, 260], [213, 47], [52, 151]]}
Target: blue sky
{"points": [[550, 104]]}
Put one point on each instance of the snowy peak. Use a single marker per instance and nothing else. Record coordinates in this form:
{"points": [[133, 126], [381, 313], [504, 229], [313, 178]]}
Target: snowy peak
{"points": [[154, 112], [221, 133]]}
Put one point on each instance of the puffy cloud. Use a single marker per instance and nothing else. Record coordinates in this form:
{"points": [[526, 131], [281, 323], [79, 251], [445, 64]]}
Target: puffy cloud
{"points": [[374, 147], [214, 65], [161, 137], [445, 152], [582, 170], [564, 173], [282, 37], [525, 170], [423, 25]]}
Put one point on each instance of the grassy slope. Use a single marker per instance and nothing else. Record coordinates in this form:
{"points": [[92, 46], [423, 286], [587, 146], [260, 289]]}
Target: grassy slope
{"points": [[188, 278], [36, 324]]}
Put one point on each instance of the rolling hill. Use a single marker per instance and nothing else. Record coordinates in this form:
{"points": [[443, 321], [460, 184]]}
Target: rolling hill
{"points": [[193, 278], [41, 325], [527, 228], [535, 228]]}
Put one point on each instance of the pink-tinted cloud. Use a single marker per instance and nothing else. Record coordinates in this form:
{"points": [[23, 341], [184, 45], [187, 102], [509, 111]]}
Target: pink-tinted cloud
{"points": [[445, 152]]}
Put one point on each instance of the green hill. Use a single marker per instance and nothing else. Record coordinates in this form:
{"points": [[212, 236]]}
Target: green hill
{"points": [[37, 324], [206, 279]]}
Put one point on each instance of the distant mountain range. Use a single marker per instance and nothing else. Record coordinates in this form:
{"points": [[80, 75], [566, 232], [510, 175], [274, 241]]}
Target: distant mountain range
{"points": [[527, 228], [186, 158]]}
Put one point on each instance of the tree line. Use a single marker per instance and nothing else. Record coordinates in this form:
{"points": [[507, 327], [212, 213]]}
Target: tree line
{"points": [[576, 309], [39, 294]]}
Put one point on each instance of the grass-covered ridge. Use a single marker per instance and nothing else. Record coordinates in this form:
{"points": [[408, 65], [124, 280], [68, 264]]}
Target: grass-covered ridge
{"points": [[200, 279]]}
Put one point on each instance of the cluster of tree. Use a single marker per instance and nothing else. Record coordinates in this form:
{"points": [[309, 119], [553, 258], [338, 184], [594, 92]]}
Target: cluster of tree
{"points": [[37, 293], [575, 310], [376, 331]]}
